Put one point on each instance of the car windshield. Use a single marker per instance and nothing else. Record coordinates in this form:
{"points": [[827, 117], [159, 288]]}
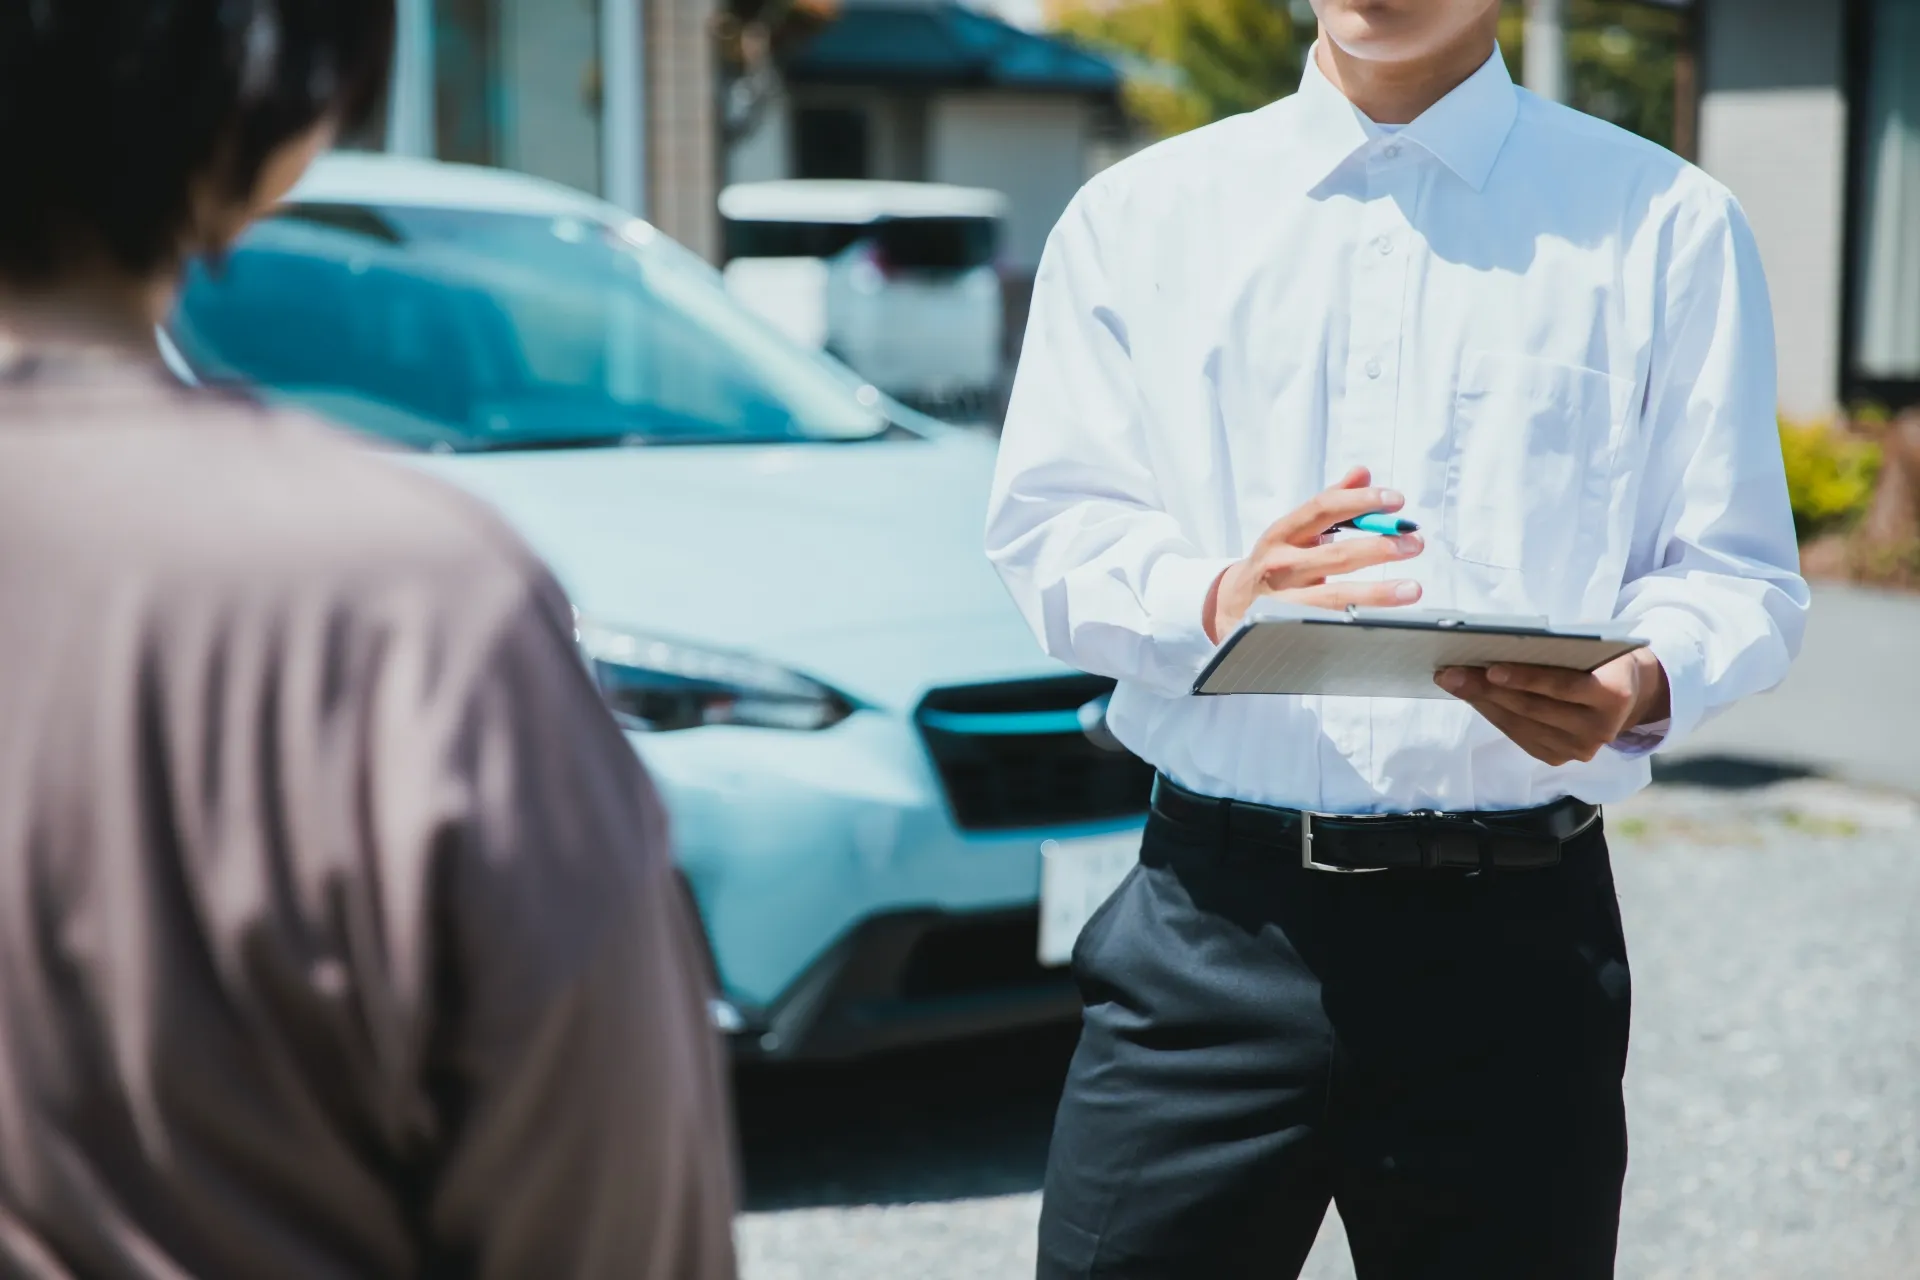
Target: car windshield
{"points": [[455, 329]]}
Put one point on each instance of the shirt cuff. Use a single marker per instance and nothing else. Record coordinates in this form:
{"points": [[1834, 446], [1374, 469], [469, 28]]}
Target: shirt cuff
{"points": [[1176, 600], [1674, 637], [1643, 739]]}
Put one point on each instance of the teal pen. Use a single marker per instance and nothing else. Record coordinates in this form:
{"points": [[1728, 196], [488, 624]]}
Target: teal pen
{"points": [[1381, 523]]}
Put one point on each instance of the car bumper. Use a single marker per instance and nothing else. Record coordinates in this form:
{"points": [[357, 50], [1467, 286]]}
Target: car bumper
{"points": [[904, 978], [845, 909]]}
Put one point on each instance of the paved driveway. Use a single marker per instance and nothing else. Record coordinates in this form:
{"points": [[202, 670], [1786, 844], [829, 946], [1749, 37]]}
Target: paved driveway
{"points": [[1851, 705], [1773, 1086]]}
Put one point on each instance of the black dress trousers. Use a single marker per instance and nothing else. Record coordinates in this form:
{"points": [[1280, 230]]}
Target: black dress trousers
{"points": [[1438, 1054]]}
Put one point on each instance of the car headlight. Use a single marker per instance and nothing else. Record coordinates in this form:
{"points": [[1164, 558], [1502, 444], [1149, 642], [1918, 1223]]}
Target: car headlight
{"points": [[659, 685]]}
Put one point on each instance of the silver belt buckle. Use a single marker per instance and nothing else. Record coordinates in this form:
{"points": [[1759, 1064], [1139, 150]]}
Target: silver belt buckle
{"points": [[1306, 851]]}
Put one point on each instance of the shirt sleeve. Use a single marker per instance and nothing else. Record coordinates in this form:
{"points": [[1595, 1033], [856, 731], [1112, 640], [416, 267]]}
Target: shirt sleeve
{"points": [[1076, 525], [587, 1126], [1713, 582]]}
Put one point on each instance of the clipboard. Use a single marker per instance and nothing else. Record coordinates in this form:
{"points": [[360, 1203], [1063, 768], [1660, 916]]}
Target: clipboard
{"points": [[1392, 653]]}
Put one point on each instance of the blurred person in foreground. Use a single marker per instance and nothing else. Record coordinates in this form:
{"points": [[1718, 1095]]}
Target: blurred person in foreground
{"points": [[341, 937]]}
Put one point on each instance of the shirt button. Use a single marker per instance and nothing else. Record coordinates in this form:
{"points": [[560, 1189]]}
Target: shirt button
{"points": [[1373, 368], [1393, 151], [1384, 244]]}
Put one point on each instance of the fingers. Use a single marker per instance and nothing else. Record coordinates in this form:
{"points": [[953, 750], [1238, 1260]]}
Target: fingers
{"points": [[1581, 722], [1553, 731], [1358, 478], [1551, 682], [1285, 567], [1364, 595], [1547, 743], [1303, 526], [1330, 559]]}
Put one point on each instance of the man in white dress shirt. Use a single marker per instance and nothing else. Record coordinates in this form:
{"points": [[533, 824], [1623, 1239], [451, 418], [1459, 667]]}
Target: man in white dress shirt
{"points": [[1409, 287]]}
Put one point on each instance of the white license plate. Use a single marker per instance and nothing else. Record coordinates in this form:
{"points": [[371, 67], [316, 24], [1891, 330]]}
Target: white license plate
{"points": [[1076, 876]]}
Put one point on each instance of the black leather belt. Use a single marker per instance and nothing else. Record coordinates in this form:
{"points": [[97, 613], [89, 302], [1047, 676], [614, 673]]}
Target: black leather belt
{"points": [[1502, 840]]}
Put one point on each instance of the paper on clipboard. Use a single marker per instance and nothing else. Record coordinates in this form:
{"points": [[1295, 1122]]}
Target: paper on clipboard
{"points": [[1391, 653]]}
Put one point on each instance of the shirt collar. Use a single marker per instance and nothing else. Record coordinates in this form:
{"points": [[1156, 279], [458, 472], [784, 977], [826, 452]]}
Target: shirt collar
{"points": [[1464, 130]]}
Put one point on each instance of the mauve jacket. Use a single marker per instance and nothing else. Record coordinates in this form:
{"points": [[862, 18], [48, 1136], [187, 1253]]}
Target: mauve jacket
{"points": [[341, 936]]}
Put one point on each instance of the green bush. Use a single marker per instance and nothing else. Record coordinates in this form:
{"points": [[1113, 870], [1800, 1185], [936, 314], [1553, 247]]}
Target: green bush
{"points": [[1830, 475]]}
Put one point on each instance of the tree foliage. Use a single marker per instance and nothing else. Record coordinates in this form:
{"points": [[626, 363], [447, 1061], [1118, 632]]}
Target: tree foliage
{"points": [[1621, 56], [1191, 62], [1830, 474]]}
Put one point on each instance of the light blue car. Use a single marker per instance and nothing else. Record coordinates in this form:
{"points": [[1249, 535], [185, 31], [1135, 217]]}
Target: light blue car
{"points": [[778, 575]]}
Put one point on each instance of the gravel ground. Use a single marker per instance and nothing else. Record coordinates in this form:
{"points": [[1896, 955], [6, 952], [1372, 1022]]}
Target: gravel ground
{"points": [[1773, 1086]]}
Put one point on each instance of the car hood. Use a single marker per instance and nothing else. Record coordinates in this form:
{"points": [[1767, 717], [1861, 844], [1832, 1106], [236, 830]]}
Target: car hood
{"points": [[859, 564]]}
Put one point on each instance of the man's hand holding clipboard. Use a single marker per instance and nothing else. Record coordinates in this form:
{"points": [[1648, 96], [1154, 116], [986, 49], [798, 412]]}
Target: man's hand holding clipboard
{"points": [[1555, 714]]}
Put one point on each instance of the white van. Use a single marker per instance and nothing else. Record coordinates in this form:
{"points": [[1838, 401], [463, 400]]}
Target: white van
{"points": [[897, 279]]}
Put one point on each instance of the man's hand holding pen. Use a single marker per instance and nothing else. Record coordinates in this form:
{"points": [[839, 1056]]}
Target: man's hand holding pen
{"points": [[1294, 559], [1555, 715]]}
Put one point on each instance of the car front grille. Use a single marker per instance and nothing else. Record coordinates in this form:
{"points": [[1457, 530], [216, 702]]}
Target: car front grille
{"points": [[1014, 756]]}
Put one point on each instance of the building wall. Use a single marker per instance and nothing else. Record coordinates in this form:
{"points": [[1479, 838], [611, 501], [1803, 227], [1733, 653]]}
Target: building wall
{"points": [[1032, 147], [896, 134], [683, 147], [552, 129], [617, 97], [766, 153], [1035, 148], [1773, 127], [514, 83]]}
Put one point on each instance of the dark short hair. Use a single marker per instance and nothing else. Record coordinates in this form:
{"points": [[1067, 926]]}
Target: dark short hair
{"points": [[112, 110]]}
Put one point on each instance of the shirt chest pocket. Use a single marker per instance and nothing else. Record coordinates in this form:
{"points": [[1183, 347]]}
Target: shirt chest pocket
{"points": [[1528, 478]]}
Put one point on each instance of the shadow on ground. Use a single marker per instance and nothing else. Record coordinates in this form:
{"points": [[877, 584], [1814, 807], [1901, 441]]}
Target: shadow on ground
{"points": [[1726, 772], [946, 1123]]}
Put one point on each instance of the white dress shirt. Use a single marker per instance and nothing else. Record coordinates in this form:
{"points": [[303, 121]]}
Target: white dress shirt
{"points": [[1552, 336]]}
